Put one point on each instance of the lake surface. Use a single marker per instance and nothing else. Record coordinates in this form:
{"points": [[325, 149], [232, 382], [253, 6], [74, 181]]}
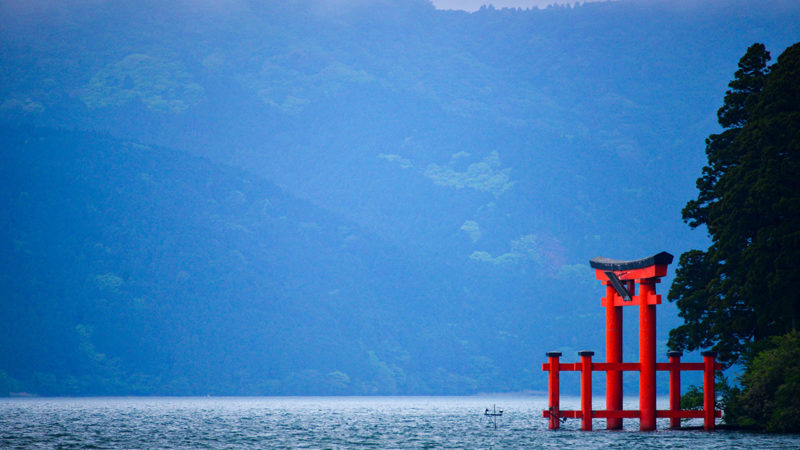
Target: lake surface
{"points": [[331, 422]]}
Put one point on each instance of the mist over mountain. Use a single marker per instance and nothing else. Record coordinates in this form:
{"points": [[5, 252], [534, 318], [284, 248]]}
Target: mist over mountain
{"points": [[342, 197]]}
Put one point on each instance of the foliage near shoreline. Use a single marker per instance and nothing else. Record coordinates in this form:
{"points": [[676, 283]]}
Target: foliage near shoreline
{"points": [[768, 397]]}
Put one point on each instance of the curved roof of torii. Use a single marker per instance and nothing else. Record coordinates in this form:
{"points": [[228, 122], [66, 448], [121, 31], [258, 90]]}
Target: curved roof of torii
{"points": [[609, 264]]}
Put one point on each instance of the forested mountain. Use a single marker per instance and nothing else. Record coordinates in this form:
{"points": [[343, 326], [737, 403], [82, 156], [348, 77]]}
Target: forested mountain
{"points": [[253, 197], [137, 269], [143, 270]]}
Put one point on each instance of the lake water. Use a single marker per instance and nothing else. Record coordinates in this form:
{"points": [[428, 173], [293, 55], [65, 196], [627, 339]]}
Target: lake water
{"points": [[331, 422]]}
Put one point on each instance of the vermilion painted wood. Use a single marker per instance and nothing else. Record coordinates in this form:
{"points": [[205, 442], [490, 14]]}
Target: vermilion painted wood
{"points": [[620, 279], [628, 367], [709, 396], [674, 387], [709, 412], [635, 414], [613, 356], [656, 271], [553, 390], [586, 390], [647, 357]]}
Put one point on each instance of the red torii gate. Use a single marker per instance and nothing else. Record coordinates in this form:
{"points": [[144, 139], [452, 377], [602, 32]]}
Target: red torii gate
{"points": [[620, 279]]}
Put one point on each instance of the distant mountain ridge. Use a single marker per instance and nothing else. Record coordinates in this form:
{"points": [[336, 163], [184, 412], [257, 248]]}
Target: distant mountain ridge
{"points": [[133, 269], [383, 198]]}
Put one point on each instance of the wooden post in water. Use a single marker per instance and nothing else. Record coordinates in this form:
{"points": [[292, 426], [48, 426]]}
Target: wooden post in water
{"points": [[674, 387], [553, 390], [586, 389], [647, 356], [709, 396], [613, 355]]}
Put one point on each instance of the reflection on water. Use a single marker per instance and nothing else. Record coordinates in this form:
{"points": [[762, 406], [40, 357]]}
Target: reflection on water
{"points": [[331, 422]]}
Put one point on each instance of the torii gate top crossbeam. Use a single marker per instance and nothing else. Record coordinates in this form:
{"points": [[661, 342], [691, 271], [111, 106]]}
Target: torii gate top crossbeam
{"points": [[651, 267]]}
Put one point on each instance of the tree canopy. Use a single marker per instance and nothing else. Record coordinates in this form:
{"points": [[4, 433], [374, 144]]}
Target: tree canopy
{"points": [[742, 288], [770, 387]]}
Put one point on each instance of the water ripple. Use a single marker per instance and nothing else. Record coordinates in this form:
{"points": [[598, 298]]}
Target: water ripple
{"points": [[328, 423]]}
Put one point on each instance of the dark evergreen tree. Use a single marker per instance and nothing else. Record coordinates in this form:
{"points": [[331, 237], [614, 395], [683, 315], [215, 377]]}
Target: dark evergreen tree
{"points": [[741, 290]]}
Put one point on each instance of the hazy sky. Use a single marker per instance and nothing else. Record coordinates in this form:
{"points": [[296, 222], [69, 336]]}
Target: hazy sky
{"points": [[473, 5]]}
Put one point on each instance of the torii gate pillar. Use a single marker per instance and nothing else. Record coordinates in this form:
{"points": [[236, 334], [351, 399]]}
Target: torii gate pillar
{"points": [[620, 279], [613, 355]]}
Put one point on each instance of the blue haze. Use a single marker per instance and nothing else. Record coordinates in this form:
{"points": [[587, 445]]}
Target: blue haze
{"points": [[342, 198]]}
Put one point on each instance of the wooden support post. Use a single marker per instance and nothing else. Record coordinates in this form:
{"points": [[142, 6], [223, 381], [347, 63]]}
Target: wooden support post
{"points": [[586, 389], [709, 396], [613, 355], [553, 390], [647, 356], [674, 387]]}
